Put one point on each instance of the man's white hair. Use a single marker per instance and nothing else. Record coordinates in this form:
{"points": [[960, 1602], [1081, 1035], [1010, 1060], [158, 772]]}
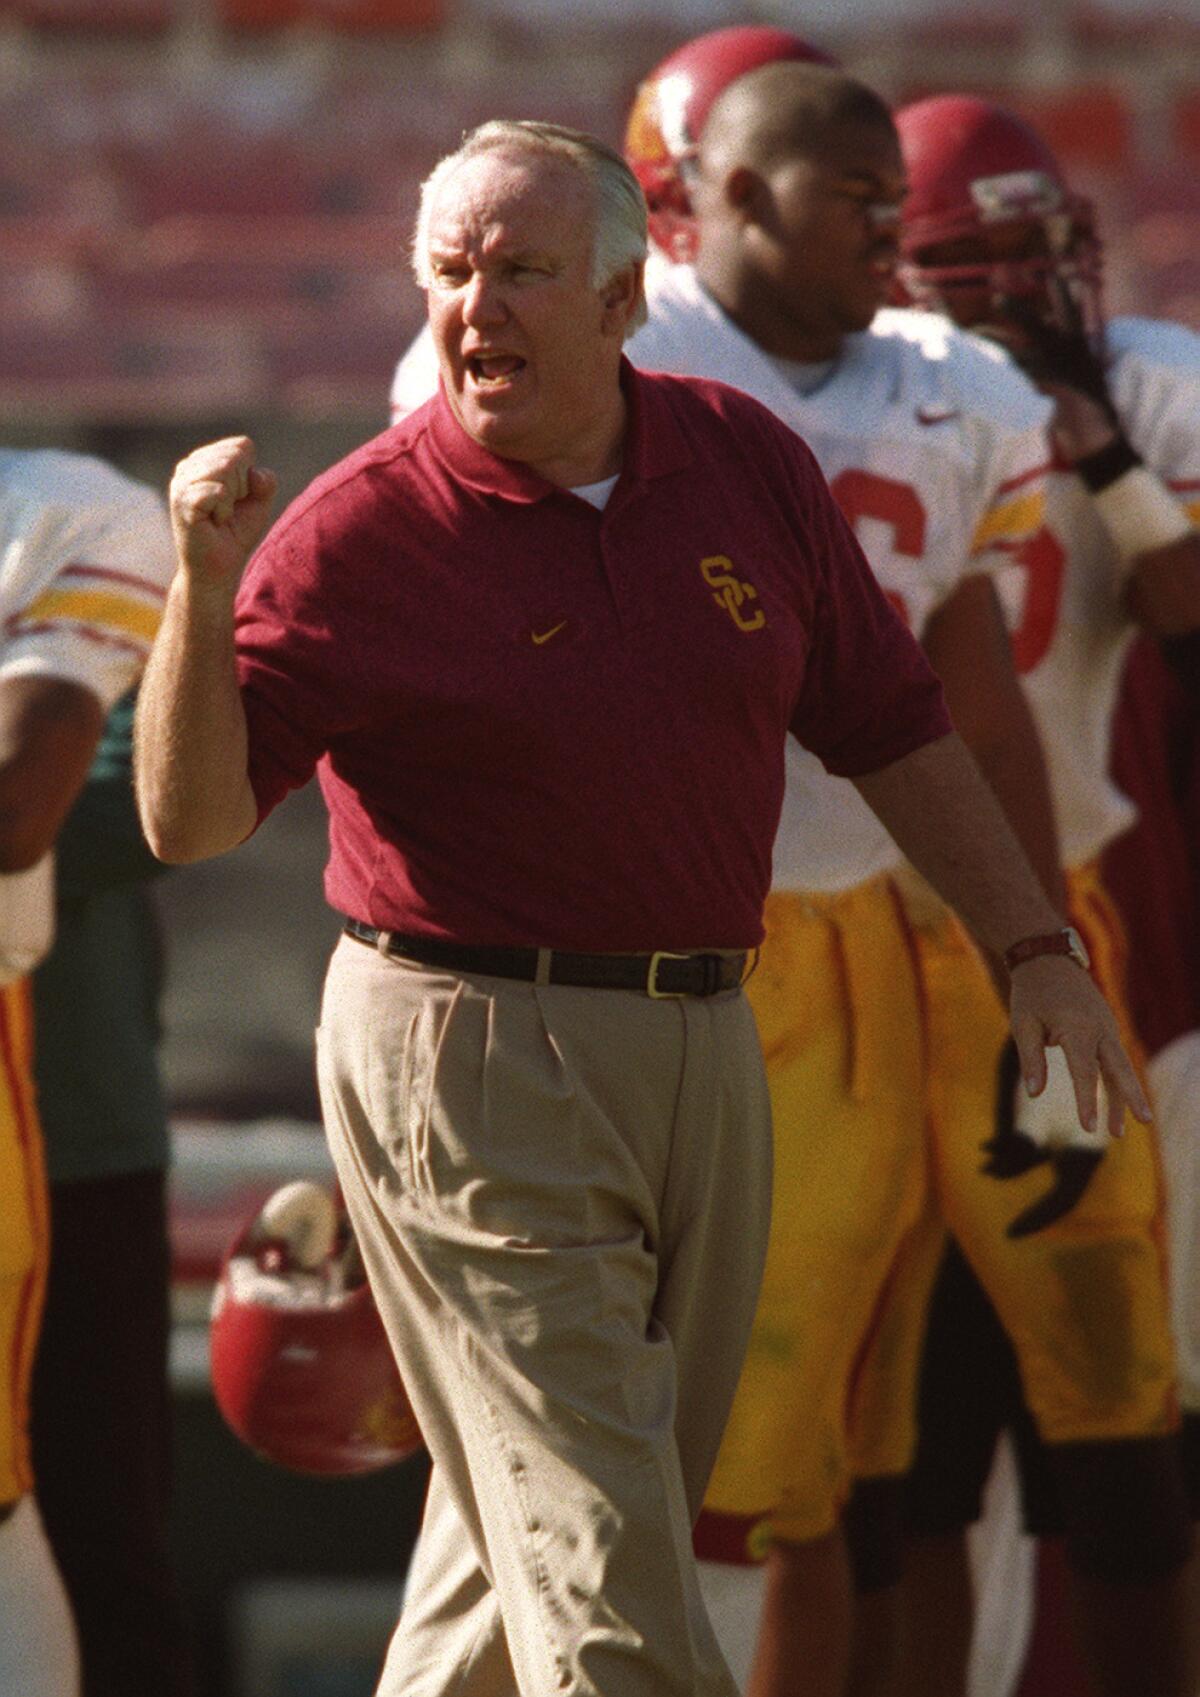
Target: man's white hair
{"points": [[620, 237]]}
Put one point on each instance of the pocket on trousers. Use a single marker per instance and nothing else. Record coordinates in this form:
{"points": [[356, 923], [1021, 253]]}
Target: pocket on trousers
{"points": [[388, 1091], [365, 1100], [402, 1087]]}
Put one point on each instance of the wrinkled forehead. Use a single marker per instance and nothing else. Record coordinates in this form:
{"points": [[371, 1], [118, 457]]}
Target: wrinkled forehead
{"points": [[512, 196]]}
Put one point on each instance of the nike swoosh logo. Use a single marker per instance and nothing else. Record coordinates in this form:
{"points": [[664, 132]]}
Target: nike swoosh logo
{"points": [[544, 636], [930, 415]]}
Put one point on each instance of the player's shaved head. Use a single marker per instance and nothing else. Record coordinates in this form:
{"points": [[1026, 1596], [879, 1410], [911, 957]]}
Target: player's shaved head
{"points": [[782, 110], [797, 198]]}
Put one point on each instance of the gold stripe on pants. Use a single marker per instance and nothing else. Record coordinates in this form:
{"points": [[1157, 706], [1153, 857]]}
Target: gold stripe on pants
{"points": [[1084, 1300], [840, 1019], [24, 1235]]}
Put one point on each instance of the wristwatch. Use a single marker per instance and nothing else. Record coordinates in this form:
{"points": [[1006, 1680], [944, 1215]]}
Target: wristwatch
{"points": [[1065, 942]]}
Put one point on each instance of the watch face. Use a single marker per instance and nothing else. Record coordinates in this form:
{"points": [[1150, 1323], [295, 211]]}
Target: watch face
{"points": [[1065, 942], [1077, 947]]}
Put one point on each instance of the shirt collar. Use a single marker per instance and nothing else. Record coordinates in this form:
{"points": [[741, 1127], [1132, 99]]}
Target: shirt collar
{"points": [[654, 445]]}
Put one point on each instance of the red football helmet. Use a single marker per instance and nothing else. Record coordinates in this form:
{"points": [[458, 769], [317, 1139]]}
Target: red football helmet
{"points": [[975, 168], [301, 1366], [669, 112]]}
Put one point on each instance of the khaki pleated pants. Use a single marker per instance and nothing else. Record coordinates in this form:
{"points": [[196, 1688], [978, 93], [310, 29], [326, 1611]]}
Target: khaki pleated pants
{"points": [[562, 1199]]}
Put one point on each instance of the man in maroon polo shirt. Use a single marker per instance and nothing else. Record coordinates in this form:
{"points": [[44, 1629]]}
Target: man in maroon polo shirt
{"points": [[543, 642]]}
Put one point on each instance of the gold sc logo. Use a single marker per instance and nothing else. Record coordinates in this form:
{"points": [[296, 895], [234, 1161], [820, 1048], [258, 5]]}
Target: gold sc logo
{"points": [[731, 593]]}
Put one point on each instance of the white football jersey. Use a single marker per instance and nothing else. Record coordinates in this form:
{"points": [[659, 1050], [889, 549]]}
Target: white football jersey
{"points": [[934, 446], [1064, 591], [416, 376], [935, 450], [85, 561]]}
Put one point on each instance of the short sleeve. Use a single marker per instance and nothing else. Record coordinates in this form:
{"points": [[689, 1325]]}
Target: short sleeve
{"points": [[1014, 495], [296, 695], [97, 572], [1156, 385]]}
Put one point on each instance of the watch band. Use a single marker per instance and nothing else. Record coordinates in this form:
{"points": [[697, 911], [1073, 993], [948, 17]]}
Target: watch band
{"points": [[1065, 942]]}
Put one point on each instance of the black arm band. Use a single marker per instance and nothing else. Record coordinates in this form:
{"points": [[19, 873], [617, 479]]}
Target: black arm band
{"points": [[1182, 654], [1103, 467]]}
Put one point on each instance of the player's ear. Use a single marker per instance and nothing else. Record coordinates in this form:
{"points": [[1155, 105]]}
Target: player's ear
{"points": [[745, 192]]}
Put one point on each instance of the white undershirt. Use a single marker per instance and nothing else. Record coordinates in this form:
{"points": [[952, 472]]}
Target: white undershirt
{"points": [[596, 493]]}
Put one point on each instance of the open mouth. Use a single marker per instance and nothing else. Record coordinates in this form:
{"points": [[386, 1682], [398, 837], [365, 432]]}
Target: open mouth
{"points": [[492, 371]]}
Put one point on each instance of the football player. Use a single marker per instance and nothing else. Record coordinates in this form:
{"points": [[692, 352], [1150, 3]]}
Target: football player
{"points": [[85, 557], [781, 178], [994, 239], [793, 181]]}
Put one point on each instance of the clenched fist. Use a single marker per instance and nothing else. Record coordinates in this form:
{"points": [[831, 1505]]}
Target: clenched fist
{"points": [[220, 507]]}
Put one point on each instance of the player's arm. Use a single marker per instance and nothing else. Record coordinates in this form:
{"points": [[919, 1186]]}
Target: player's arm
{"points": [[1163, 595], [1164, 589], [942, 814], [1149, 526], [190, 742], [967, 645], [101, 845], [49, 728]]}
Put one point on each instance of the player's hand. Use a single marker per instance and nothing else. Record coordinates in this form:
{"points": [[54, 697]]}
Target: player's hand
{"points": [[1066, 366], [220, 507], [1052, 1001], [1038, 1131]]}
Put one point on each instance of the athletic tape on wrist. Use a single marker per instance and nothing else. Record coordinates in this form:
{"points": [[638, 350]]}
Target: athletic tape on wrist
{"points": [[1103, 467], [1140, 513]]}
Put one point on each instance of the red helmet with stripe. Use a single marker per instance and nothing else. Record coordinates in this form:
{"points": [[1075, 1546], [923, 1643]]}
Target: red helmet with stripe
{"points": [[980, 176], [302, 1369], [670, 109]]}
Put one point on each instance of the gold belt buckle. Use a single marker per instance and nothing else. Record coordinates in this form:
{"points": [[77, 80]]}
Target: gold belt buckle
{"points": [[652, 988]]}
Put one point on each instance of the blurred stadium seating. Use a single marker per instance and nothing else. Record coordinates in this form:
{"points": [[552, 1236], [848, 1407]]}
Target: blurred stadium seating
{"points": [[104, 17], [108, 17], [204, 204], [354, 15], [149, 271]]}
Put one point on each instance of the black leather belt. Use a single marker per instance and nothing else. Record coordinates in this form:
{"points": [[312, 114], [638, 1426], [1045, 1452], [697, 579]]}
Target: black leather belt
{"points": [[658, 975]]}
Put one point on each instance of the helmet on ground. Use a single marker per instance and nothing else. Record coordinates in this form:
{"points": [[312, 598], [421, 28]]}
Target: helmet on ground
{"points": [[980, 176], [669, 113], [302, 1369]]}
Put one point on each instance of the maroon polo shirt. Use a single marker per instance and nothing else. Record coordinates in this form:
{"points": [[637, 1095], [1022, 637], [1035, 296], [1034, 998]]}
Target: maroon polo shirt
{"points": [[536, 723]]}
